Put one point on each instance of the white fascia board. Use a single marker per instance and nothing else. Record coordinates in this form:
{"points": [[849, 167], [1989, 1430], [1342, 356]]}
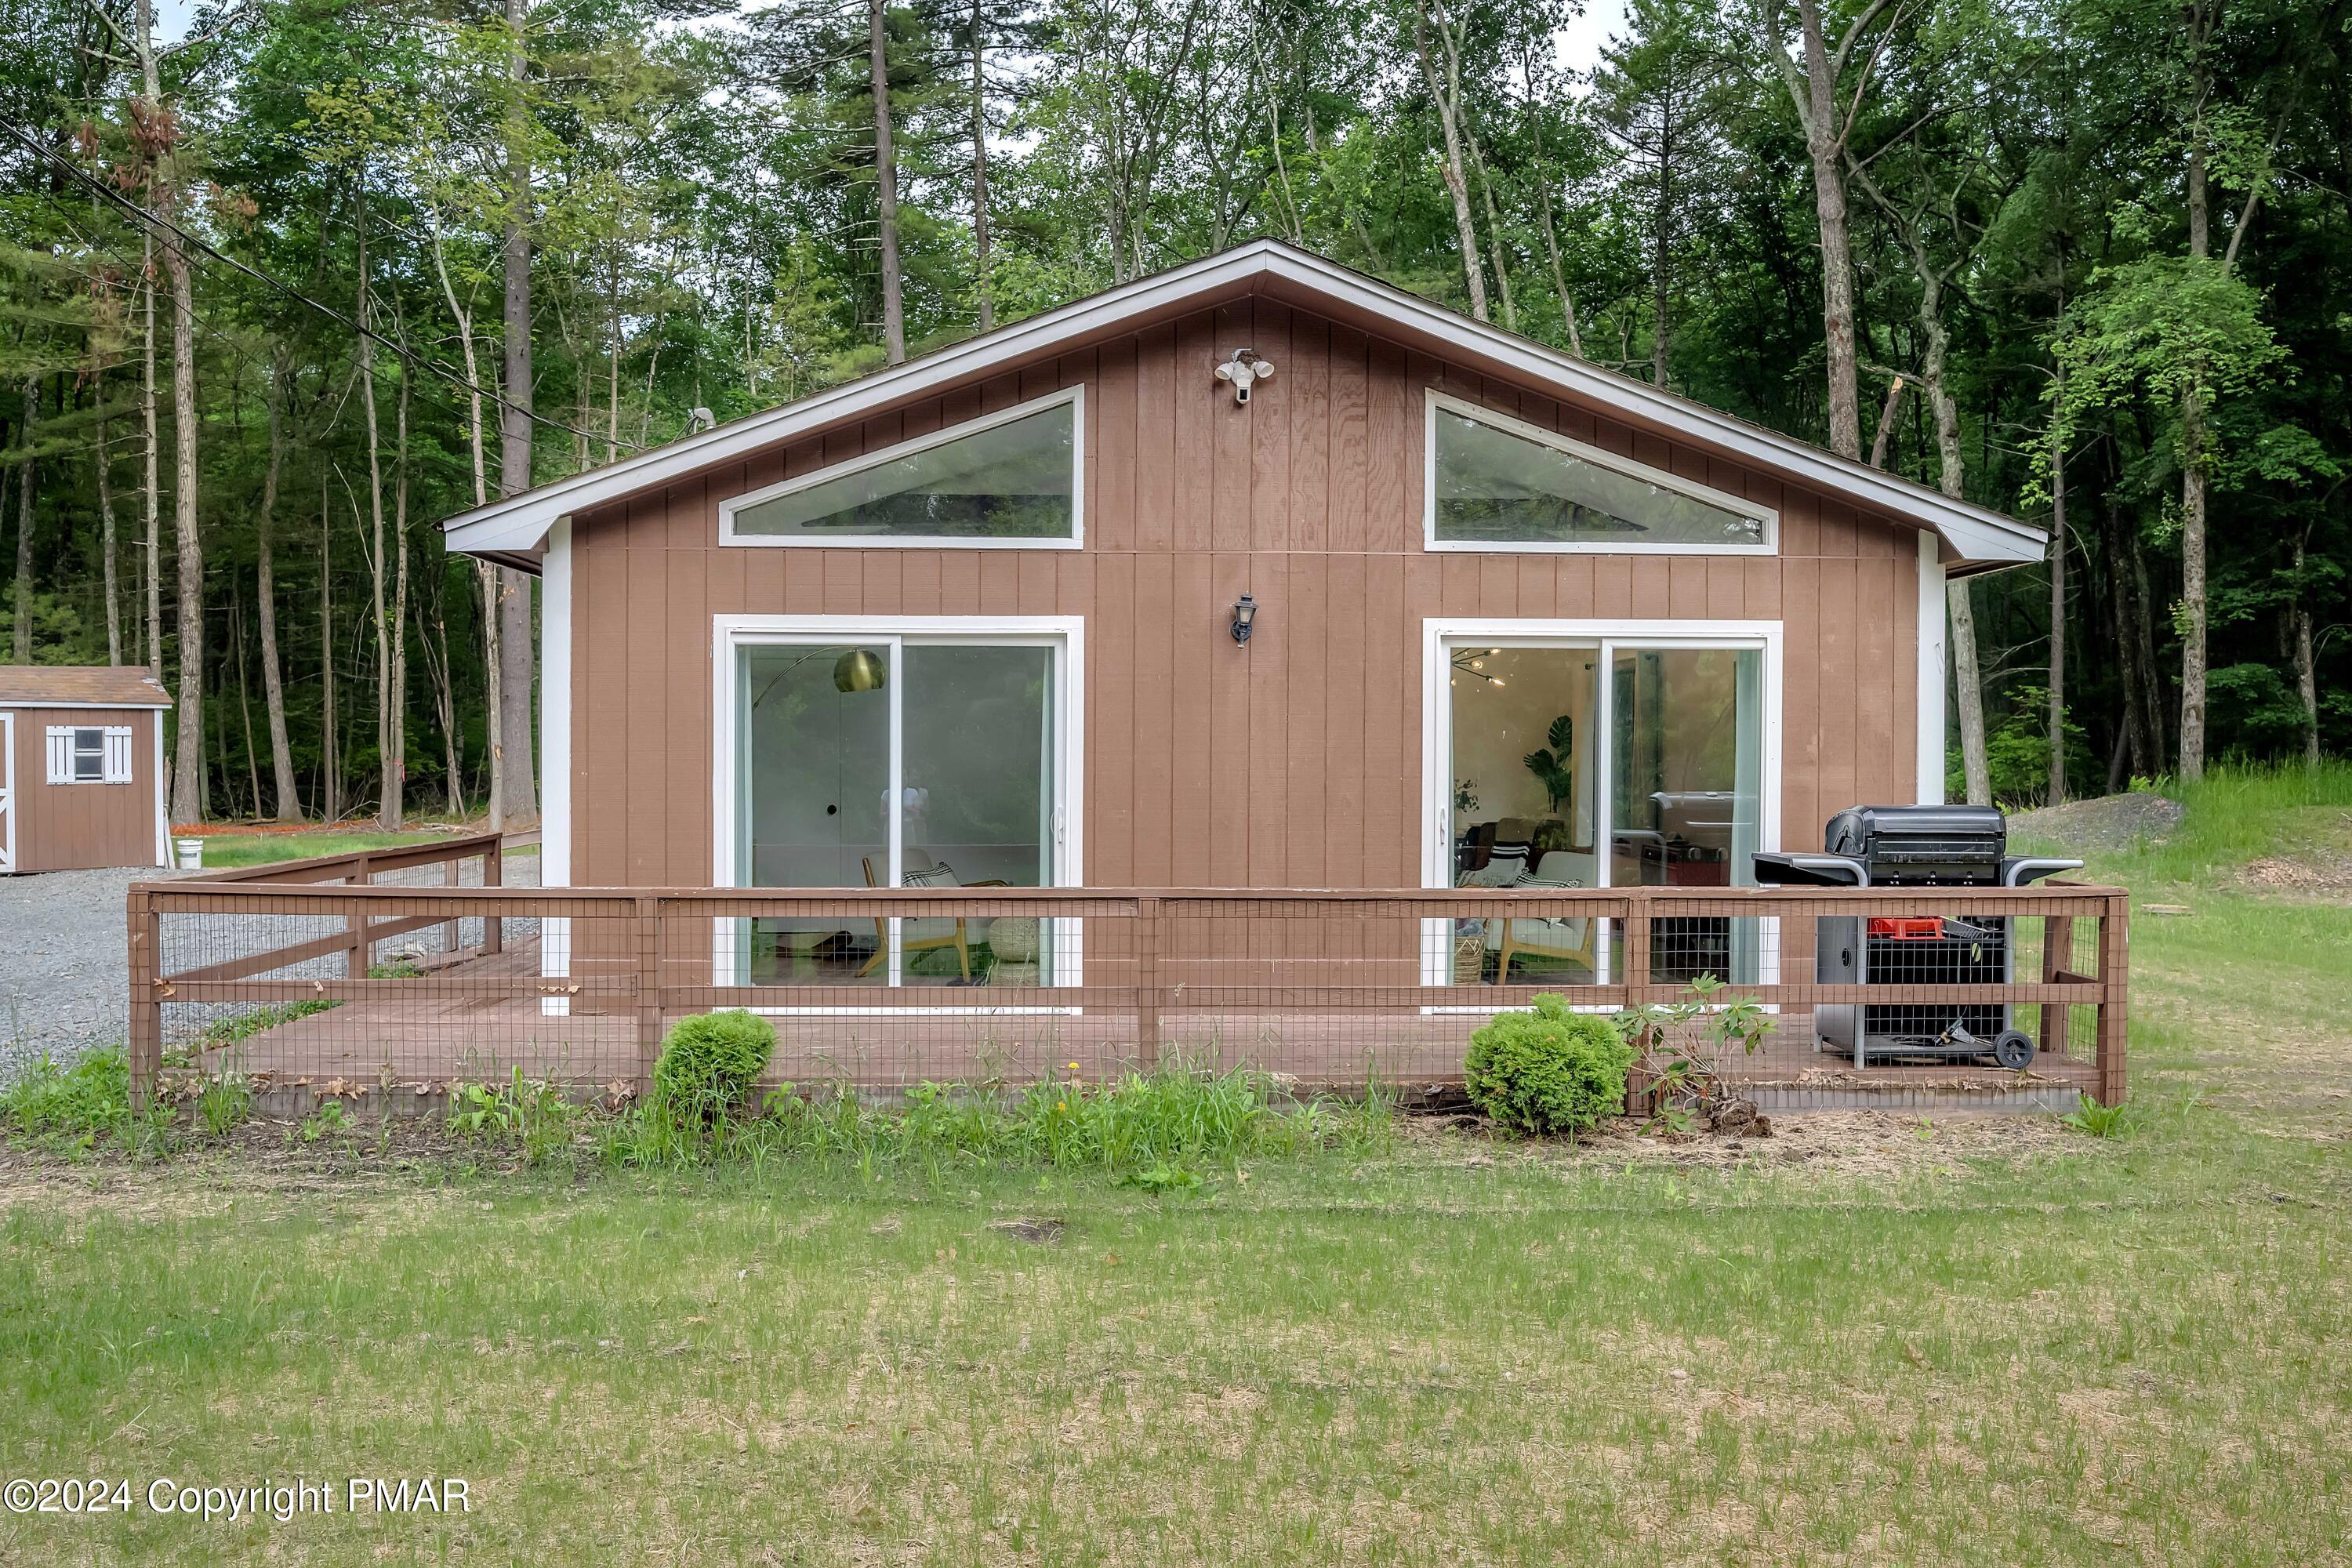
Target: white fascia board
{"points": [[517, 528]]}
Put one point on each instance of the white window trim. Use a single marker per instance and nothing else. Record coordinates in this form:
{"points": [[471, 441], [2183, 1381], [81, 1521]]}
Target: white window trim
{"points": [[1438, 635], [1769, 516], [65, 753], [729, 634], [1075, 396]]}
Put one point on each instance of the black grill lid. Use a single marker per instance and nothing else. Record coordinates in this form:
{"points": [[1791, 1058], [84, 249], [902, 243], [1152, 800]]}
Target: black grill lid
{"points": [[1921, 843]]}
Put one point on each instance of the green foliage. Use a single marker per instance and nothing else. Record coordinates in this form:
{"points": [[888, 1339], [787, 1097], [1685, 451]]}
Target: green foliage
{"points": [[1176, 1117], [224, 1103], [1547, 1071], [70, 1107], [1681, 1046], [2098, 1120], [533, 1116], [1554, 765], [2017, 752], [231, 1027], [702, 1080], [330, 1120]]}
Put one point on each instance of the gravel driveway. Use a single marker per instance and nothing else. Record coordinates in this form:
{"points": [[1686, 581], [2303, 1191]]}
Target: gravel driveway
{"points": [[64, 986]]}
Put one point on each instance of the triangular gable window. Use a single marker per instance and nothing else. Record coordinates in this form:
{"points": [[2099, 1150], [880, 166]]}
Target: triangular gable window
{"points": [[1499, 483], [1009, 479]]}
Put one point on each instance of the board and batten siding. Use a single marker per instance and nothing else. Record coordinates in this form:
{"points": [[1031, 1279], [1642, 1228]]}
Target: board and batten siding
{"points": [[1295, 761], [75, 827]]}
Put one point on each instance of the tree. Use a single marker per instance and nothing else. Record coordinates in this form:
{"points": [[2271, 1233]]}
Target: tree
{"points": [[1826, 105]]}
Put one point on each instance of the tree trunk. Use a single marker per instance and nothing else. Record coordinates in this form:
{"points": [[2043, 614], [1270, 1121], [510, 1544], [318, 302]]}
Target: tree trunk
{"points": [[1817, 107], [330, 777], [1495, 239], [28, 427], [980, 176], [387, 804], [2306, 668], [514, 793], [393, 806], [485, 574], [444, 706], [1457, 185], [149, 488], [244, 693], [188, 764], [2199, 18], [1559, 275], [150, 79], [1968, 675], [2057, 622], [286, 798], [886, 180], [106, 531]]}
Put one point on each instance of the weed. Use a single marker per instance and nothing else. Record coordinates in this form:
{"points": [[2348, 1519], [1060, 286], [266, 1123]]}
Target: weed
{"points": [[405, 967], [226, 1101], [1161, 1179], [230, 1028], [1176, 1116], [2096, 1119], [329, 1120], [533, 1115], [70, 1109]]}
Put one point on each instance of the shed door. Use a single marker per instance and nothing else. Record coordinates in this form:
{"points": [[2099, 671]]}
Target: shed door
{"points": [[7, 793]]}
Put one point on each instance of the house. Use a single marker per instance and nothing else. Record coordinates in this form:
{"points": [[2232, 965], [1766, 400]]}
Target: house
{"points": [[1256, 573], [81, 768]]}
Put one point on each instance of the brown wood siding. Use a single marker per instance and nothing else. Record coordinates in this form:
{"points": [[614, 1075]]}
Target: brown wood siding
{"points": [[71, 828], [1297, 761]]}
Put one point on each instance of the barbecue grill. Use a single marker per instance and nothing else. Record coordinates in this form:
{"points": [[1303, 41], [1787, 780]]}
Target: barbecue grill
{"points": [[1914, 847]]}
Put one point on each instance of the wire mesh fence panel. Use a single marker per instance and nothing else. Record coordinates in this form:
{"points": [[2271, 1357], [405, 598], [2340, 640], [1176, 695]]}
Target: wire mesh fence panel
{"points": [[409, 987]]}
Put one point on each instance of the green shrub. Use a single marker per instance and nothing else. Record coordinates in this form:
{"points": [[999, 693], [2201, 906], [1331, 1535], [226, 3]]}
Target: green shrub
{"points": [[707, 1068], [1547, 1071]]}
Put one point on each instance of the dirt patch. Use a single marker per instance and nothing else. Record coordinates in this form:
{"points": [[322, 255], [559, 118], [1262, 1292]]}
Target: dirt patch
{"points": [[2105, 825], [2318, 872], [1863, 1142]]}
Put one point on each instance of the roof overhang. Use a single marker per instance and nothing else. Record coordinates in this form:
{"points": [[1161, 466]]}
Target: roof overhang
{"points": [[514, 532]]}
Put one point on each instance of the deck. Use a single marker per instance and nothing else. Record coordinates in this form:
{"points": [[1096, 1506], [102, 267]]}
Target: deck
{"points": [[328, 980]]}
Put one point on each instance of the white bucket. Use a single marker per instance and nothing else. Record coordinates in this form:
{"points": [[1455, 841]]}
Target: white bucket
{"points": [[192, 854]]}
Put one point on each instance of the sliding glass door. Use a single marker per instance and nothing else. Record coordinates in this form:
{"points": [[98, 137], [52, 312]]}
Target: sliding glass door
{"points": [[931, 760], [1611, 759]]}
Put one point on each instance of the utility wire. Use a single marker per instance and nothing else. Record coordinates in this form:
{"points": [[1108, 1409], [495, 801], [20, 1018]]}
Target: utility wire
{"points": [[196, 243]]}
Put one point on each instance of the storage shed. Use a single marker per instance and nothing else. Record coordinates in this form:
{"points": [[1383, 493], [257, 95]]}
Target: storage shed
{"points": [[81, 768]]}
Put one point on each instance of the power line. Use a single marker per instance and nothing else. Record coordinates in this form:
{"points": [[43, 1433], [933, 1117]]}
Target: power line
{"points": [[198, 243]]}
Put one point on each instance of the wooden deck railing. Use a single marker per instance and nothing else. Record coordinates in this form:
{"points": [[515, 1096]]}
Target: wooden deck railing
{"points": [[1152, 966]]}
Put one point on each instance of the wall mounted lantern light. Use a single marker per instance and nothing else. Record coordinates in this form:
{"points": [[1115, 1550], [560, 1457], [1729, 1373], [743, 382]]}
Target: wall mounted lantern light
{"points": [[1245, 616]]}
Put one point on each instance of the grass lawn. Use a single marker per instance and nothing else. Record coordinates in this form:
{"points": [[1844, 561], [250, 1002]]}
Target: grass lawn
{"points": [[1942, 1346], [224, 850]]}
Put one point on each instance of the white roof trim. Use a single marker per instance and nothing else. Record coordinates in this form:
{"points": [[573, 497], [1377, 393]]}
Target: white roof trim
{"points": [[516, 529]]}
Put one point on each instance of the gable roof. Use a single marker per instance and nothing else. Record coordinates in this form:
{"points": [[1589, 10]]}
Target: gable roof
{"points": [[514, 531], [81, 686]]}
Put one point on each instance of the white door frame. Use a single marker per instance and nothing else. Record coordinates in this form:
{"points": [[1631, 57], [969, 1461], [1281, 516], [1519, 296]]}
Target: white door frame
{"points": [[8, 793], [1065, 634], [1441, 634]]}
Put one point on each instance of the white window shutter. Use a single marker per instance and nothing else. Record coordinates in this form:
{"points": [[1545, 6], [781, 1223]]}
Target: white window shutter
{"points": [[118, 755], [60, 754]]}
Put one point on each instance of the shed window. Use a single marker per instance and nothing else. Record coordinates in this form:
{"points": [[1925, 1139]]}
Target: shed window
{"points": [[90, 754], [1008, 479], [1499, 483]]}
